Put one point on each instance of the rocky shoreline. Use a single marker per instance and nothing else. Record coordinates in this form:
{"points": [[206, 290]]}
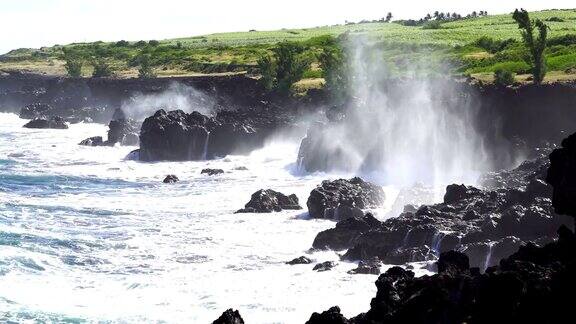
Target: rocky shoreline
{"points": [[533, 285], [501, 234]]}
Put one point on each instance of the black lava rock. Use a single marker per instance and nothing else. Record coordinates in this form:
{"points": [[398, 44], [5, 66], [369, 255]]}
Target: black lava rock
{"points": [[230, 316], [52, 123], [171, 179], [341, 199], [267, 201]]}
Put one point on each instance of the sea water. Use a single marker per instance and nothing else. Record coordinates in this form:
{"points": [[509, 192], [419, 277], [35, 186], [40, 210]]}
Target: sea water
{"points": [[89, 236]]}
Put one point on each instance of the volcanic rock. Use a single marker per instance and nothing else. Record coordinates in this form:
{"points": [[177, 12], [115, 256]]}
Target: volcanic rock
{"points": [[341, 199], [52, 123], [331, 316], [179, 136], [93, 141], [300, 260], [324, 266], [212, 172], [367, 267], [171, 179], [562, 176], [486, 225], [267, 201], [230, 316]]}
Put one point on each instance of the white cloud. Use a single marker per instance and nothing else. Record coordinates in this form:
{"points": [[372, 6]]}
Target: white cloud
{"points": [[35, 23]]}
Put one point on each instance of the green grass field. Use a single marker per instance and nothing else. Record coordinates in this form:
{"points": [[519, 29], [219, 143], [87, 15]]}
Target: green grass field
{"points": [[452, 45]]}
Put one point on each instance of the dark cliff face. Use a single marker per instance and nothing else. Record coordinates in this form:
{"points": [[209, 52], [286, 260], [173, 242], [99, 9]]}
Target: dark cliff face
{"points": [[19, 90], [510, 122]]}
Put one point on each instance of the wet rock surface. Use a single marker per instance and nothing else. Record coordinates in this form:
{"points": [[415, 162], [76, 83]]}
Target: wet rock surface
{"points": [[230, 316], [179, 136], [562, 176], [267, 201], [300, 260], [341, 199], [324, 266], [121, 130], [47, 123], [171, 179], [486, 225], [367, 267], [212, 172], [331, 316], [92, 141], [533, 285]]}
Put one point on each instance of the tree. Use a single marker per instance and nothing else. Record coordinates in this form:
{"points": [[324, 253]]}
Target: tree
{"points": [[146, 71], [290, 64], [428, 17], [101, 69], [73, 63], [536, 45], [267, 67], [436, 14], [389, 17], [286, 66], [334, 63]]}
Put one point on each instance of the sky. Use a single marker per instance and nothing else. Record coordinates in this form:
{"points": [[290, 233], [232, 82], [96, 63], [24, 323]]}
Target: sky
{"points": [[37, 23]]}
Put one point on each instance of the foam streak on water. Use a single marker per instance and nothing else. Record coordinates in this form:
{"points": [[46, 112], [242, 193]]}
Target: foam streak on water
{"points": [[87, 235]]}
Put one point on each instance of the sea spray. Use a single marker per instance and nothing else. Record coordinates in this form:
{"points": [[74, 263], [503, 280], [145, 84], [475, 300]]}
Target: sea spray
{"points": [[403, 131], [176, 96]]}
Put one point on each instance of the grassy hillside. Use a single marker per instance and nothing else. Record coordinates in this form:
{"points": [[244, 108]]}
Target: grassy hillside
{"points": [[453, 45]]}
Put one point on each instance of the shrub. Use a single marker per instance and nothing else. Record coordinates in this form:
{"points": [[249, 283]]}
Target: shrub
{"points": [[73, 67], [102, 69], [555, 19], [566, 40], [146, 71], [535, 45], [267, 68], [433, 24], [290, 64], [153, 43], [503, 77], [285, 67], [334, 68], [493, 46]]}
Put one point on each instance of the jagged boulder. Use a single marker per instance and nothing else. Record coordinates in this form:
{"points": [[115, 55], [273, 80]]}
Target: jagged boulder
{"points": [[230, 316], [174, 136], [345, 233], [331, 316], [93, 141], [179, 136], [367, 267], [562, 176], [123, 131], [267, 201], [324, 266], [54, 122], [453, 262], [212, 172], [300, 260], [533, 285], [171, 179], [486, 225], [341, 199]]}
